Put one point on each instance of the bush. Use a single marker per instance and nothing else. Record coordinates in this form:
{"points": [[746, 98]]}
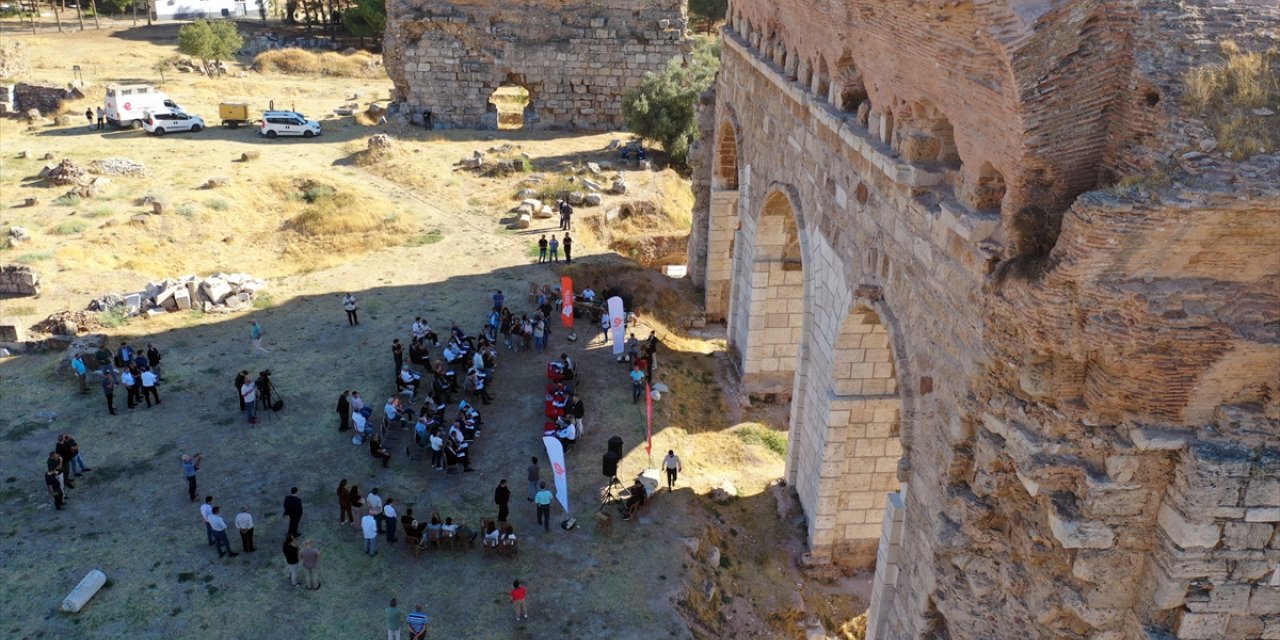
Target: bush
{"points": [[67, 200], [217, 204], [775, 441], [99, 212], [69, 227], [664, 108], [210, 41]]}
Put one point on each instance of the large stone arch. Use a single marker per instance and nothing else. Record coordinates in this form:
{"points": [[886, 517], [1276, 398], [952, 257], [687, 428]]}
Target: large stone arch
{"points": [[767, 293], [727, 175]]}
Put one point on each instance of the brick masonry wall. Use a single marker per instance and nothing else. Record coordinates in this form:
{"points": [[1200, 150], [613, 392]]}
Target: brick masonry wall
{"points": [[1053, 432], [576, 59]]}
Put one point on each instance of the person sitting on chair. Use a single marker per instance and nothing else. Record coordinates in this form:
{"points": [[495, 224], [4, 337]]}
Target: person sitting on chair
{"points": [[453, 352], [491, 535], [507, 538], [635, 499], [418, 353], [566, 367], [360, 423], [566, 432], [408, 380], [393, 410], [377, 451]]}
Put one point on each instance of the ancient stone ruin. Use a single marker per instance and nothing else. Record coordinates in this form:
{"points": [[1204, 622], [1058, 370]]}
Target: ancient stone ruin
{"points": [[1040, 399], [19, 280], [575, 58], [218, 293]]}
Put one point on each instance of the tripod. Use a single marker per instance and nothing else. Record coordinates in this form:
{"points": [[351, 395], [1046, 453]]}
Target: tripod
{"points": [[608, 495]]}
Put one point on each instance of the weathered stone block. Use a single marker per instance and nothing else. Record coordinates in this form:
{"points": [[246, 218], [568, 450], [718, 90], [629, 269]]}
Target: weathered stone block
{"points": [[1186, 534], [1080, 534], [1246, 535], [1202, 626]]}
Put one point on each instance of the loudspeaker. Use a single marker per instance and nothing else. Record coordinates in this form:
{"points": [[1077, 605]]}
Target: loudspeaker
{"points": [[610, 464], [615, 446]]}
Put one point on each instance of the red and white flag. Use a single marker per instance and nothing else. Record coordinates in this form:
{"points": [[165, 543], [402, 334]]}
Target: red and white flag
{"points": [[555, 454], [566, 307]]}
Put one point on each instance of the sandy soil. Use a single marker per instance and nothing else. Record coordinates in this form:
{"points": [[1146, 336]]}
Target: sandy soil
{"points": [[130, 516]]}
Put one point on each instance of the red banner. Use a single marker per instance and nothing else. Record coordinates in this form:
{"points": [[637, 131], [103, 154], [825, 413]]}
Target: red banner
{"points": [[566, 307], [648, 406]]}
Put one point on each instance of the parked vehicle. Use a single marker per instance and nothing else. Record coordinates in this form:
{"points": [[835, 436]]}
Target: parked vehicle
{"points": [[162, 122], [288, 123], [233, 114], [126, 103]]}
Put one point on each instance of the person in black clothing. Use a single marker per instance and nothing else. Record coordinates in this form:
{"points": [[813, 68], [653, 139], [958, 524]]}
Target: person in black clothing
{"points": [[344, 411], [241, 378], [542, 249], [109, 390], [55, 488], [293, 509], [397, 352], [501, 496], [428, 119], [576, 410], [567, 245], [153, 359], [378, 451], [418, 353], [566, 216]]}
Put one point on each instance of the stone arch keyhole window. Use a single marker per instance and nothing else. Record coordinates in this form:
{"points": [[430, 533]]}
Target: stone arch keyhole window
{"points": [[822, 81], [791, 65], [805, 73], [986, 190], [726, 173]]}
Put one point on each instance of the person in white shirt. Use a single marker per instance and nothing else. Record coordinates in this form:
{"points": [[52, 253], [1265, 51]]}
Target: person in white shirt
{"points": [[219, 527], [409, 379], [349, 305], [672, 464], [249, 393], [130, 387], [206, 510], [588, 295], [374, 501], [389, 520], [419, 329], [358, 420], [357, 403], [149, 389], [452, 353], [392, 410], [369, 525], [567, 433], [437, 450], [244, 522]]}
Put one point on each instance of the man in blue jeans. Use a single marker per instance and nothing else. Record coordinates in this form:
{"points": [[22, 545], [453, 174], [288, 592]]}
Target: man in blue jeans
{"points": [[637, 384], [533, 475], [543, 501]]}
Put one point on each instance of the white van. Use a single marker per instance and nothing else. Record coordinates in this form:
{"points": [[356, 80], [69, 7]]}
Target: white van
{"points": [[288, 123], [126, 103]]}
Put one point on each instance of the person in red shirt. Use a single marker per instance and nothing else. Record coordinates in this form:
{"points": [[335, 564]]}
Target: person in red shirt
{"points": [[518, 599]]}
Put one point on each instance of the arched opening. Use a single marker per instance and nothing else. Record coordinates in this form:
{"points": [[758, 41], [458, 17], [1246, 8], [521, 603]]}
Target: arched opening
{"points": [[924, 135], [722, 220], [805, 74], [768, 316], [851, 89], [791, 65], [513, 104], [822, 81], [984, 189], [726, 160]]}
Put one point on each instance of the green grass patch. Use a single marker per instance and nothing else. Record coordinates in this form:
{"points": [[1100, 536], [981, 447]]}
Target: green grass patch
{"points": [[99, 212], [31, 258], [185, 210], [20, 431], [112, 318], [217, 204], [430, 237], [133, 470], [775, 441], [67, 200], [263, 300], [70, 227]]}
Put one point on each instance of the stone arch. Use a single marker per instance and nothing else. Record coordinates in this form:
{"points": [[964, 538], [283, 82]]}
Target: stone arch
{"points": [[925, 135], [821, 87], [805, 73], [722, 215], [850, 88], [767, 316], [984, 188], [791, 67]]}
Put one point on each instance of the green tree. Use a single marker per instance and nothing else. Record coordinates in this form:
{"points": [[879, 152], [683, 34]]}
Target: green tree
{"points": [[210, 41], [664, 108], [367, 19], [708, 12]]}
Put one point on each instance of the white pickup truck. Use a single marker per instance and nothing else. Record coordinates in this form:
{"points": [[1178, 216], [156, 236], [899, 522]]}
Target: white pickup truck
{"points": [[126, 104]]}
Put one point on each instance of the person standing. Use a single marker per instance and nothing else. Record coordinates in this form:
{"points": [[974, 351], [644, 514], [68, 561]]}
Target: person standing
{"points": [[567, 243], [244, 522], [518, 595], [344, 504], [369, 526], [109, 389], [77, 459], [543, 502], [532, 474], [498, 301], [190, 466], [542, 249], [393, 620], [311, 564], [374, 501], [102, 118], [88, 115], [349, 305], [54, 485], [502, 496], [82, 372], [249, 399], [672, 464], [417, 622], [65, 451], [389, 520], [255, 336], [130, 384], [293, 509], [577, 410], [554, 245], [291, 559], [153, 358], [219, 527], [206, 510], [344, 411], [241, 378], [637, 383], [566, 215], [149, 389], [397, 352]]}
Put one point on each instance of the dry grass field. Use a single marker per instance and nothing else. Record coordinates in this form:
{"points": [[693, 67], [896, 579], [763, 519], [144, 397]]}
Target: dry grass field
{"points": [[409, 234]]}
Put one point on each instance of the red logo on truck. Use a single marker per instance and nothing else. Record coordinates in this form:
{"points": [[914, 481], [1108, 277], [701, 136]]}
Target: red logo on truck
{"points": [[128, 106]]}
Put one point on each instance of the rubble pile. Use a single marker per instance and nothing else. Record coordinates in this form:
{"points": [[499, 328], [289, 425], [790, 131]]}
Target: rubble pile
{"points": [[218, 293]]}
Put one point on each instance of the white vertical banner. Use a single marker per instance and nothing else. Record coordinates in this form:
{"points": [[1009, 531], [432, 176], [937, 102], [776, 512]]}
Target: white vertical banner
{"points": [[618, 324], [555, 454]]}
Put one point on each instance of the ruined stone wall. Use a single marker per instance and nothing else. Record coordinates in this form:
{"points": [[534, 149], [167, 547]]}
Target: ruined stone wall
{"points": [[1082, 447], [576, 58]]}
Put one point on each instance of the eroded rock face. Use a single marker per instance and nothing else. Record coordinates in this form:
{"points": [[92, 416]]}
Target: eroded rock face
{"points": [[1077, 386], [575, 58]]}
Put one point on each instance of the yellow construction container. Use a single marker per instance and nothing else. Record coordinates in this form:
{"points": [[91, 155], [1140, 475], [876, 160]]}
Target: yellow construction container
{"points": [[233, 114]]}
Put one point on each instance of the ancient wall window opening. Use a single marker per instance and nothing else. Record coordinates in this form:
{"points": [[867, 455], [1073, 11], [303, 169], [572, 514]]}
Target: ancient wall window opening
{"points": [[725, 176], [988, 189], [851, 90], [772, 326], [513, 104], [805, 74], [791, 65], [822, 82]]}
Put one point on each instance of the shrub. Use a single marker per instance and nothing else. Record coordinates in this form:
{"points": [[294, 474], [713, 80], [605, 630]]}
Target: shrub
{"points": [[775, 441], [665, 106], [69, 227], [217, 204], [210, 41], [99, 212], [67, 200]]}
